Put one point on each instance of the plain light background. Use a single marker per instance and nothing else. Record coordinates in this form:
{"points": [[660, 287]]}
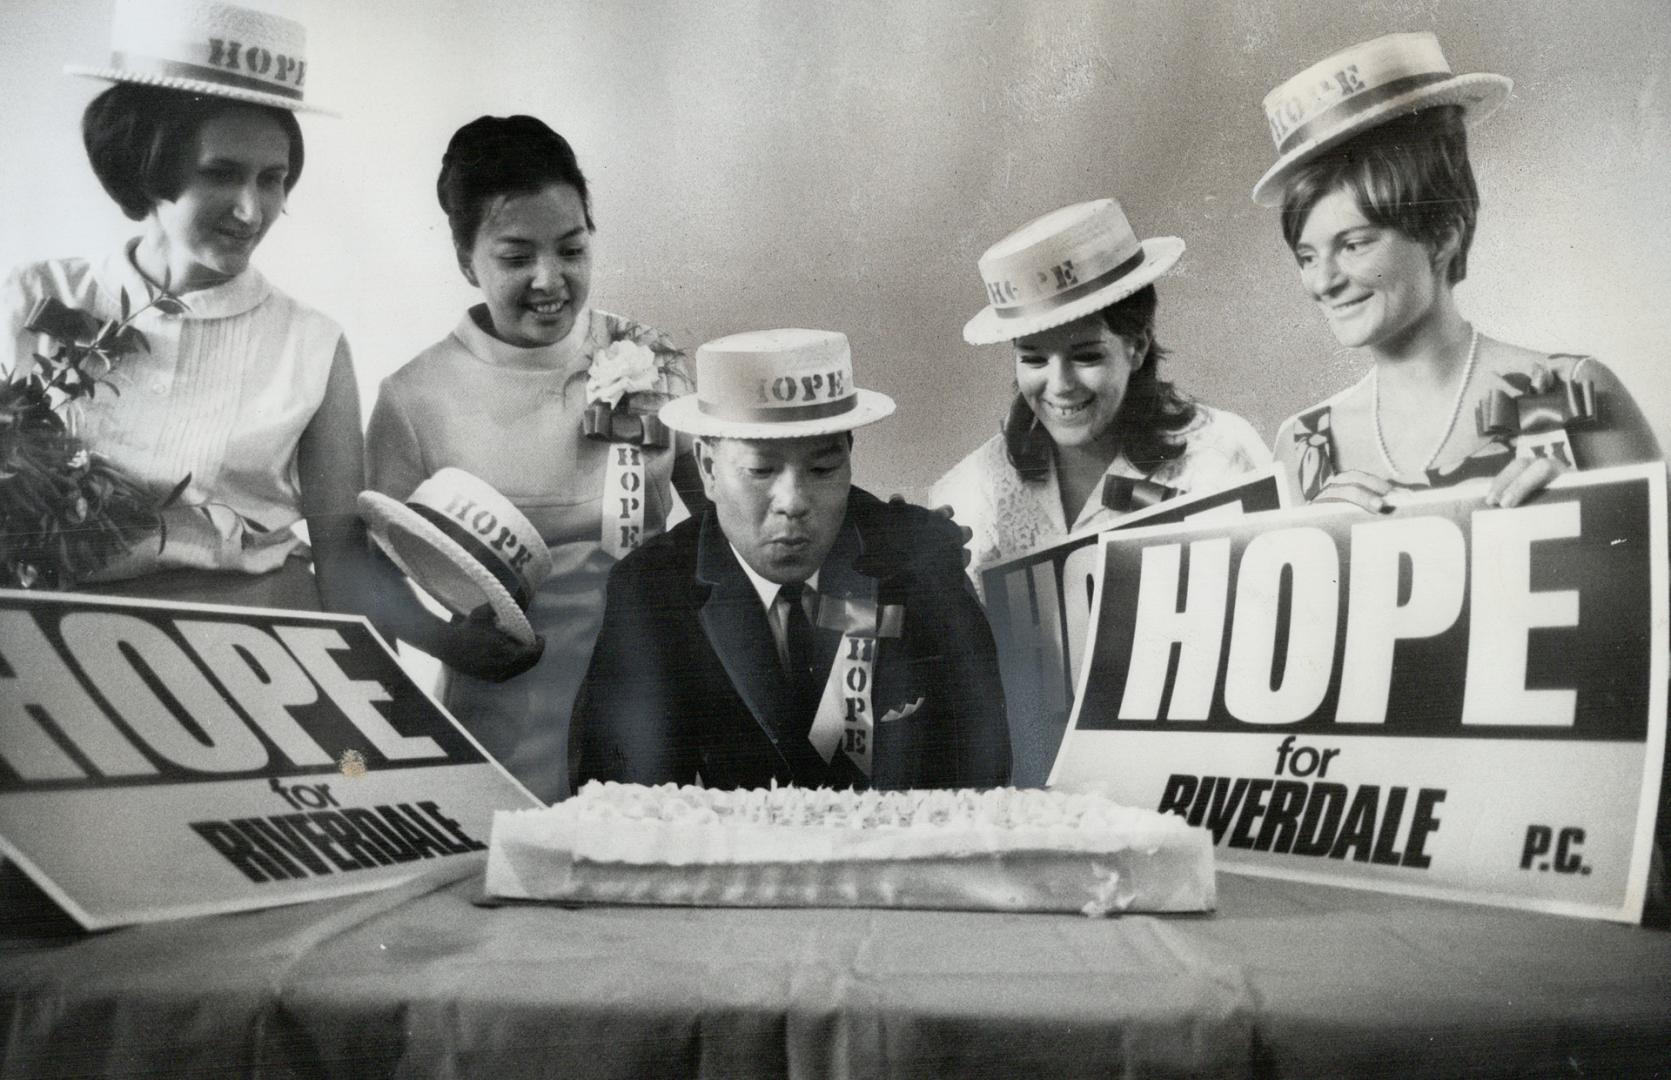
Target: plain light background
{"points": [[842, 164]]}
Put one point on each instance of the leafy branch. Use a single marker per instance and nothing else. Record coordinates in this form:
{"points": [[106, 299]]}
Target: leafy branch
{"points": [[66, 511], [89, 348]]}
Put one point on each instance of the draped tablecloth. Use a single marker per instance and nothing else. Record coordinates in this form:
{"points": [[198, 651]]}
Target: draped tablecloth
{"points": [[1283, 980]]}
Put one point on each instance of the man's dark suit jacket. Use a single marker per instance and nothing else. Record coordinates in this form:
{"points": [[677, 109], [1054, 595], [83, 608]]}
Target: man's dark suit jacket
{"points": [[685, 679]]}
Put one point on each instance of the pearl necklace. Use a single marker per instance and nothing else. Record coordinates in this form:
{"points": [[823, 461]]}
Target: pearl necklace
{"points": [[1450, 425]]}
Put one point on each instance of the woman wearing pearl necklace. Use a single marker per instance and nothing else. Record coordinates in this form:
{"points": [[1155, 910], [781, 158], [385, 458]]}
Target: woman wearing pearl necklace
{"points": [[1378, 205]]}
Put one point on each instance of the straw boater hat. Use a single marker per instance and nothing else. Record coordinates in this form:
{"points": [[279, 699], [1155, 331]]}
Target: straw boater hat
{"points": [[1357, 88], [775, 384], [465, 544], [204, 47], [1063, 266]]}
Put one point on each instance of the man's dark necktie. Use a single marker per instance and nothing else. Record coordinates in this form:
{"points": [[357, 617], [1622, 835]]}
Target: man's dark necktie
{"points": [[805, 685]]}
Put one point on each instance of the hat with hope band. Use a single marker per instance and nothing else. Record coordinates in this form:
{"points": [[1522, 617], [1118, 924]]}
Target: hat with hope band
{"points": [[1358, 88], [206, 47], [465, 544], [775, 384], [1063, 266]]}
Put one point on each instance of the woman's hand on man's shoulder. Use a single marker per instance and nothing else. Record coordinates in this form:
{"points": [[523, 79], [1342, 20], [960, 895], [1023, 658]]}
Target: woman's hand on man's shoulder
{"points": [[904, 535]]}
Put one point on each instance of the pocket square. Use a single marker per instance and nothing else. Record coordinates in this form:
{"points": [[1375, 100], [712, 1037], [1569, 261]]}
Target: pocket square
{"points": [[902, 712]]}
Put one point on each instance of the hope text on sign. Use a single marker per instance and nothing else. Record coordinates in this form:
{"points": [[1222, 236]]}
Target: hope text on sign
{"points": [[1453, 699], [1039, 606], [232, 748]]}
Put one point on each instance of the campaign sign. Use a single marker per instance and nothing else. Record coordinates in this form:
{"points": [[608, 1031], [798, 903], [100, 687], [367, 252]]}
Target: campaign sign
{"points": [[1039, 605], [1449, 700], [159, 760]]}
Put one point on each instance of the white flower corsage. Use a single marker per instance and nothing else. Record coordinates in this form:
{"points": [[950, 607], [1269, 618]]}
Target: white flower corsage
{"points": [[622, 368]]}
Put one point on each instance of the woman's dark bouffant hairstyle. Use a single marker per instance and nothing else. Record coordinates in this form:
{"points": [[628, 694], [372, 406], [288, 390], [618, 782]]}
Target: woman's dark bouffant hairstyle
{"points": [[1151, 414], [1410, 173], [492, 156], [140, 140]]}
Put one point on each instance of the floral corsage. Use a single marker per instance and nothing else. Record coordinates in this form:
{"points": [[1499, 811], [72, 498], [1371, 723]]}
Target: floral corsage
{"points": [[623, 389]]}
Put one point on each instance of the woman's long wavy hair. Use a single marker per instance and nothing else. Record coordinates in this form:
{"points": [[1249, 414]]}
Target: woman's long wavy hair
{"points": [[1151, 416]]}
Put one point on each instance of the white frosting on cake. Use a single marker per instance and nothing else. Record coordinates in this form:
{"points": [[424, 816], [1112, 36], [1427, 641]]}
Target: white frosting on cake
{"points": [[674, 826], [1004, 849]]}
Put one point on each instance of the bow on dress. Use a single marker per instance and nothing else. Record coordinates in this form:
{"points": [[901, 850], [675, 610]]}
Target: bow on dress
{"points": [[1124, 494], [607, 424], [1506, 417], [1518, 421]]}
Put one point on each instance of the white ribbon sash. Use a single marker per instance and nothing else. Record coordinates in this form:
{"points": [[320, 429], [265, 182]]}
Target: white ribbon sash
{"points": [[845, 720], [623, 500]]}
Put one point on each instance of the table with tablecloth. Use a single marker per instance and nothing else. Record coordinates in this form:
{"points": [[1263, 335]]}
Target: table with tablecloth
{"points": [[1284, 979]]}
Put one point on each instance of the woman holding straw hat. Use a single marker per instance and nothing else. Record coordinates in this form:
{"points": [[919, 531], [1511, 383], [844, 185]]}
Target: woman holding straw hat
{"points": [[1379, 205], [547, 399], [1094, 430], [221, 406]]}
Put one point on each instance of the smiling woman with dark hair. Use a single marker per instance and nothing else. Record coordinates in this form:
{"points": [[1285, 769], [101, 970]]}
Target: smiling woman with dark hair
{"points": [[138, 139], [1094, 430], [549, 401]]}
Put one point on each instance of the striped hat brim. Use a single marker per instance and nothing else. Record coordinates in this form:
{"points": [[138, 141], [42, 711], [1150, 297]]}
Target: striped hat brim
{"points": [[198, 86], [439, 564], [1480, 94]]}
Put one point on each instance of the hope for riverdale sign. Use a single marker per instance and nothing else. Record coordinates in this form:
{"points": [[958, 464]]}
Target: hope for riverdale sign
{"points": [[1039, 605], [160, 760], [1450, 700]]}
